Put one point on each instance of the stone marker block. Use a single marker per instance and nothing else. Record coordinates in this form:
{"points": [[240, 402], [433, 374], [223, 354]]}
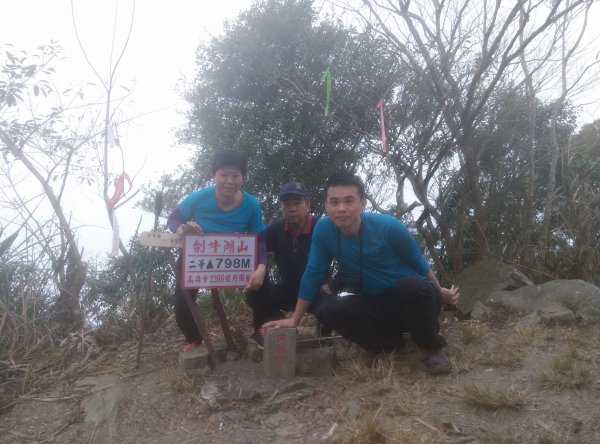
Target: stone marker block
{"points": [[193, 360], [316, 361], [279, 355], [198, 357]]}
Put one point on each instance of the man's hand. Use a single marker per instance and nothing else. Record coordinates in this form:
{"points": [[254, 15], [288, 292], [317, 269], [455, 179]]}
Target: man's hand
{"points": [[280, 323], [325, 289], [190, 227], [449, 296], [256, 278]]}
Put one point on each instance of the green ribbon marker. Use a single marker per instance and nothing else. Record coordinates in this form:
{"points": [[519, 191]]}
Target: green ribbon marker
{"points": [[327, 77]]}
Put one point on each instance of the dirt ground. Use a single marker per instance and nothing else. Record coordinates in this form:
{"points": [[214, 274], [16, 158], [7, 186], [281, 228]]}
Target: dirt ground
{"points": [[539, 385]]}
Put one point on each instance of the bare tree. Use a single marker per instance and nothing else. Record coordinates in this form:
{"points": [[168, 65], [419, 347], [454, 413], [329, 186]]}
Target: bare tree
{"points": [[462, 51], [41, 144]]}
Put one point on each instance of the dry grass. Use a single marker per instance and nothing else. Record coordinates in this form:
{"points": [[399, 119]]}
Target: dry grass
{"points": [[405, 405], [567, 372], [464, 360], [499, 434], [553, 438], [182, 383], [366, 429], [368, 370], [503, 355], [491, 398], [526, 336], [472, 332]]}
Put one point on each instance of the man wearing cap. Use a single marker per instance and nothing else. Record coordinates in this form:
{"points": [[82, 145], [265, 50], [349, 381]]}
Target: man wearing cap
{"points": [[289, 239]]}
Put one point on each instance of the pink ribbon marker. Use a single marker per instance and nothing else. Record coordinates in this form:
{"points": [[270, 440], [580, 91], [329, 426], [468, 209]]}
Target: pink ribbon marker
{"points": [[382, 127], [119, 188]]}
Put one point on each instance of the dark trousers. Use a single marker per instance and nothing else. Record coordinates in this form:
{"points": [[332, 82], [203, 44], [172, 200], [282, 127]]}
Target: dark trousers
{"points": [[377, 323], [270, 300], [183, 315]]}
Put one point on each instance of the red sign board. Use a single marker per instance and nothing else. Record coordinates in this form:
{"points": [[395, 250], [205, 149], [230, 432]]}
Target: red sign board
{"points": [[218, 260]]}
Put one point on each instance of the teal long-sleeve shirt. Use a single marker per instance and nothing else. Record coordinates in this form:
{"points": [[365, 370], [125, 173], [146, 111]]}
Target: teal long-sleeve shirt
{"points": [[389, 252]]}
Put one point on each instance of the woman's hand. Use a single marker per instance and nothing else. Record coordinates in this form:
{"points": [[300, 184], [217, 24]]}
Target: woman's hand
{"points": [[280, 323], [190, 227]]}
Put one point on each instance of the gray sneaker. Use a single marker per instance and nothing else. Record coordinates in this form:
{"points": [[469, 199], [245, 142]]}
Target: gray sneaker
{"points": [[257, 339], [438, 364]]}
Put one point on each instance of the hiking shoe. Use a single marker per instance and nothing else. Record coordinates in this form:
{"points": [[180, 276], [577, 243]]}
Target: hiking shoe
{"points": [[257, 339], [191, 345], [437, 364]]}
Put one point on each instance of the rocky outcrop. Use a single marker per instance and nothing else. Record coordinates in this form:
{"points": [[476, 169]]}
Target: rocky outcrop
{"points": [[558, 302], [477, 282]]}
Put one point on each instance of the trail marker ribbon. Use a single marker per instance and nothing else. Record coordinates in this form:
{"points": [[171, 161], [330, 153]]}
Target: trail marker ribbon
{"points": [[327, 78], [382, 127]]}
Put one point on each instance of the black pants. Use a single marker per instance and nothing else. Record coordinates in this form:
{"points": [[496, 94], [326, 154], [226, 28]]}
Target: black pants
{"points": [[183, 315], [377, 323], [268, 302]]}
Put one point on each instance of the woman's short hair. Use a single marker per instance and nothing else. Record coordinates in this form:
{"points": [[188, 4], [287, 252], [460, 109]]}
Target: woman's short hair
{"points": [[225, 159]]}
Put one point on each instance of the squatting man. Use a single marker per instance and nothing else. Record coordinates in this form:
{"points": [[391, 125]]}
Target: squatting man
{"points": [[390, 288]]}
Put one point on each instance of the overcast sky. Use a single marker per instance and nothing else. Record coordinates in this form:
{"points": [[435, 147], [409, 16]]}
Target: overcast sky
{"points": [[160, 53]]}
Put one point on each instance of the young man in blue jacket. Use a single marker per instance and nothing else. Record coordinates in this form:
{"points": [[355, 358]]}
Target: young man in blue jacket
{"points": [[389, 289]]}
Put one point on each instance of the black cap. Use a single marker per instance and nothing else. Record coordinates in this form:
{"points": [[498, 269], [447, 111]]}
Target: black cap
{"points": [[295, 188]]}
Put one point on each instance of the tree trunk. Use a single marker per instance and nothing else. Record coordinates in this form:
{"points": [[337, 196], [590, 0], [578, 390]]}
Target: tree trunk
{"points": [[467, 147]]}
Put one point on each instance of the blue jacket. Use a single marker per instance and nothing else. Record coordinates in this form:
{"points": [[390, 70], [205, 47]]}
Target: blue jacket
{"points": [[389, 252]]}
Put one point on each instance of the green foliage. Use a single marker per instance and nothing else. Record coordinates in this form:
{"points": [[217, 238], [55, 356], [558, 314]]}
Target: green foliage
{"points": [[111, 299], [258, 90], [6, 243], [465, 150]]}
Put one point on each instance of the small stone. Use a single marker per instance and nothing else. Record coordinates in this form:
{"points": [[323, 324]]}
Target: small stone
{"points": [[330, 412], [353, 409], [253, 353]]}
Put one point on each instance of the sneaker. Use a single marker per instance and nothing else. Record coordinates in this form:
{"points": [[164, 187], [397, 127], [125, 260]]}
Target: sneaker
{"points": [[437, 364], [191, 345], [257, 339]]}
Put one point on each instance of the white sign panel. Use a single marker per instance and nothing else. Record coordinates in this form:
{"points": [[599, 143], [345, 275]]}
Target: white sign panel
{"points": [[218, 260]]}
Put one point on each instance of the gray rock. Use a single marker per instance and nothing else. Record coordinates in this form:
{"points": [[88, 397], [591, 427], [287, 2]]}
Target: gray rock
{"points": [[316, 361], [253, 353], [353, 409], [234, 416], [556, 314], [485, 277], [480, 311], [579, 296], [530, 320], [102, 406], [293, 387], [525, 299], [278, 419], [555, 302]]}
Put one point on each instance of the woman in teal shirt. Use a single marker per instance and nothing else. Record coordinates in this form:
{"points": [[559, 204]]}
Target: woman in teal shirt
{"points": [[219, 209]]}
